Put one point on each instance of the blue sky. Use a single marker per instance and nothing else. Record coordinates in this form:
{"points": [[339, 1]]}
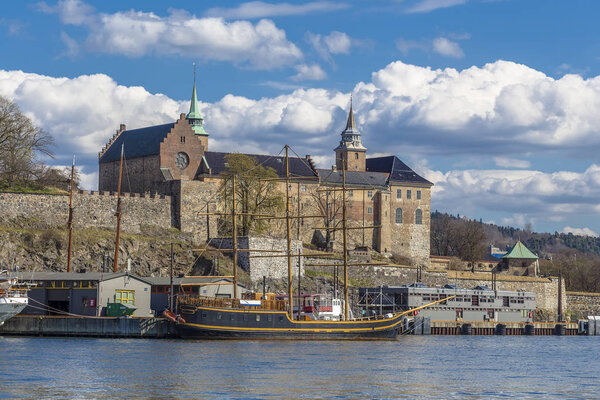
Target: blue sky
{"points": [[494, 101]]}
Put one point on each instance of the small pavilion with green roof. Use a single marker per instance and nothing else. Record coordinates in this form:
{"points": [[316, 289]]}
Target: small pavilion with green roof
{"points": [[521, 261]]}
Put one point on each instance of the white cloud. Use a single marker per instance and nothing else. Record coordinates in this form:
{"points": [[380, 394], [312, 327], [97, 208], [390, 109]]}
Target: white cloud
{"points": [[579, 231], [260, 9], [525, 195], [447, 47], [136, 33], [309, 72], [405, 45], [506, 162], [424, 6], [334, 43], [496, 111]]}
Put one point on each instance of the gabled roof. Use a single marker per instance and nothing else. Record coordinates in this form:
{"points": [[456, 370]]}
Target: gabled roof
{"points": [[375, 180], [299, 167], [520, 251], [138, 142], [397, 170]]}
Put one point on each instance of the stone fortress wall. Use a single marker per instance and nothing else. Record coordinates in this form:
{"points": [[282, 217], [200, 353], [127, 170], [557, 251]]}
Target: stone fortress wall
{"points": [[90, 210]]}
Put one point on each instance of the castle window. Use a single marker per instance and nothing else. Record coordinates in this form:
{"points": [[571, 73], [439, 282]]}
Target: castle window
{"points": [[418, 195], [369, 210], [418, 217], [350, 193], [398, 193], [398, 215], [182, 139], [369, 193], [409, 194], [356, 156], [303, 188]]}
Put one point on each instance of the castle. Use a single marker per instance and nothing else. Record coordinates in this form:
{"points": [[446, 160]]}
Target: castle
{"points": [[174, 160]]}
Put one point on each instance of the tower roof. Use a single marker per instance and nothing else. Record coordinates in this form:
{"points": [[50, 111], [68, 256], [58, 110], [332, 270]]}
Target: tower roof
{"points": [[350, 125], [194, 116], [194, 113], [351, 139], [520, 251]]}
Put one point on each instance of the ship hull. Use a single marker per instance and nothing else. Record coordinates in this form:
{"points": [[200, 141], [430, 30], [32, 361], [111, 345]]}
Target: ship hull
{"points": [[9, 307], [222, 323]]}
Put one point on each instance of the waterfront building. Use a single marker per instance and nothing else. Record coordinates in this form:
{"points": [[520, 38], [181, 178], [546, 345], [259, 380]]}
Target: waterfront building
{"points": [[478, 304], [88, 293], [174, 160]]}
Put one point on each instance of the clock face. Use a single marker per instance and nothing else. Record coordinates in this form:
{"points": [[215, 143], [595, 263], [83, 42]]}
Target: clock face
{"points": [[182, 160]]}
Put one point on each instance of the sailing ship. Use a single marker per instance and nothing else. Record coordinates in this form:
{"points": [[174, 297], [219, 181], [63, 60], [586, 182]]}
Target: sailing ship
{"points": [[268, 317], [12, 299]]}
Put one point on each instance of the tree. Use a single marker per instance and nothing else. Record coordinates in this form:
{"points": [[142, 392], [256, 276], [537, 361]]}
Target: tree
{"points": [[20, 143], [441, 234], [253, 194], [330, 204], [469, 240]]}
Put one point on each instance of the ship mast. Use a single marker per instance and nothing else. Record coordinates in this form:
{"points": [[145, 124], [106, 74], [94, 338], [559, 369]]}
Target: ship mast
{"points": [[118, 212], [70, 221], [345, 242], [288, 236], [234, 237]]}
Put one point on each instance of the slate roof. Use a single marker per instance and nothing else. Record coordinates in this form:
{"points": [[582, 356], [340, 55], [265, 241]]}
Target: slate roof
{"points": [[354, 178], [520, 251], [298, 166], [397, 170], [138, 142]]}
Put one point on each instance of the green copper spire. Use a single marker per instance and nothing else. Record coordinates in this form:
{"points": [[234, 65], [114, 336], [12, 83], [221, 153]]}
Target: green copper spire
{"points": [[194, 116]]}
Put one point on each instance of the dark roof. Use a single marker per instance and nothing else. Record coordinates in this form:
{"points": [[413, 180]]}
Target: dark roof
{"points": [[298, 166], [397, 170], [73, 276], [354, 178], [138, 142]]}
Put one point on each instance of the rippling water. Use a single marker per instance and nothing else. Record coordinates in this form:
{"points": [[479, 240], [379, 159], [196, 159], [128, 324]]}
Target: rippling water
{"points": [[435, 367]]}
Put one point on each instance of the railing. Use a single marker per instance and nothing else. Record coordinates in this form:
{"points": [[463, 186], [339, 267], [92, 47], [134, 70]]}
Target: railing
{"points": [[220, 302]]}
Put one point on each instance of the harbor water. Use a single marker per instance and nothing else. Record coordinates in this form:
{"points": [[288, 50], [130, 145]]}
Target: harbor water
{"points": [[419, 367]]}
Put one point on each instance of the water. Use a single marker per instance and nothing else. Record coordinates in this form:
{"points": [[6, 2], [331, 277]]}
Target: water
{"points": [[429, 367]]}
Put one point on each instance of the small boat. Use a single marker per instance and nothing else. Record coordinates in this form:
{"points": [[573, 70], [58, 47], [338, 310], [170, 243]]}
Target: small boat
{"points": [[12, 299]]}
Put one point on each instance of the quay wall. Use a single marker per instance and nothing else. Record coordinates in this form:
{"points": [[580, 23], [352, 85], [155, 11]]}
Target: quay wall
{"points": [[583, 304], [90, 210], [29, 325]]}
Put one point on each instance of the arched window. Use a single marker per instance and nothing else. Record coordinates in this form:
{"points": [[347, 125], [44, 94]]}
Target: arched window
{"points": [[418, 217], [398, 215], [356, 156]]}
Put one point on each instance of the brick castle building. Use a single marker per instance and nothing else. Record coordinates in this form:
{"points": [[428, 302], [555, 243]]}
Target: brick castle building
{"points": [[174, 160]]}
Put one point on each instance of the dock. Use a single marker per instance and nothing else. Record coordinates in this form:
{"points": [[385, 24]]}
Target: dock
{"points": [[106, 327]]}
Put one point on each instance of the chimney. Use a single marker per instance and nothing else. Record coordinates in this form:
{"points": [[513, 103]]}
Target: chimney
{"points": [[122, 127]]}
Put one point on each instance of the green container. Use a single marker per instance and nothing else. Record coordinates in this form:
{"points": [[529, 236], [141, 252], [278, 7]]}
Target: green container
{"points": [[119, 310]]}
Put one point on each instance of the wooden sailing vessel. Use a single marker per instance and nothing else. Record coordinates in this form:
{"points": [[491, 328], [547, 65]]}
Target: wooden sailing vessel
{"points": [[221, 318]]}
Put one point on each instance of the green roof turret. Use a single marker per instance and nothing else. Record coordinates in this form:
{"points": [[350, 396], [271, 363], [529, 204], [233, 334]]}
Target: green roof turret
{"points": [[194, 116]]}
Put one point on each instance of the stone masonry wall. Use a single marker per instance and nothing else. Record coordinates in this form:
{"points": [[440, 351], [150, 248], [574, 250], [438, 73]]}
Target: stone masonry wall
{"points": [[271, 267], [93, 210], [583, 304]]}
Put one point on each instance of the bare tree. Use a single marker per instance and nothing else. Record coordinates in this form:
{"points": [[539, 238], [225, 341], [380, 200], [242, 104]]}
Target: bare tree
{"points": [[329, 204], [20, 144]]}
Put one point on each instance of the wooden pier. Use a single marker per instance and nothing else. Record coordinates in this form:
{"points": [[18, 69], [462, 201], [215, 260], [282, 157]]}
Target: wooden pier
{"points": [[108, 327]]}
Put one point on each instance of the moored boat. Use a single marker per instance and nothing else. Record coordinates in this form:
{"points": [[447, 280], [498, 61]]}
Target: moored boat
{"points": [[12, 300], [222, 318]]}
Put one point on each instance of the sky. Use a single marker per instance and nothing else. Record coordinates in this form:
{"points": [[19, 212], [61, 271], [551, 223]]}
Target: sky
{"points": [[495, 102]]}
